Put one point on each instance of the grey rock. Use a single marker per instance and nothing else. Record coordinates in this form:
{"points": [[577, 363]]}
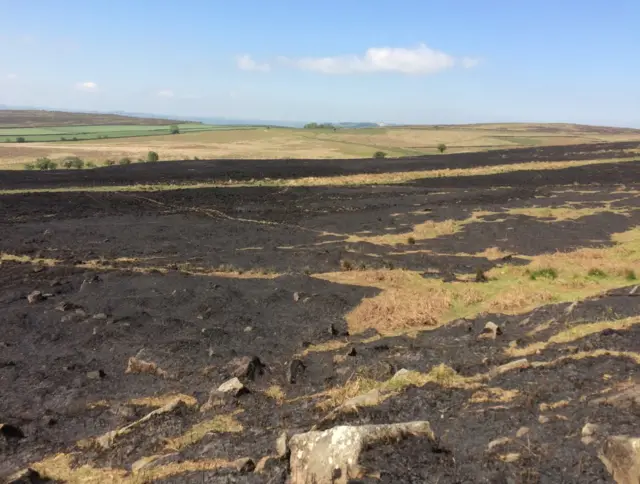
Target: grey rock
{"points": [[233, 387], [621, 456], [245, 367], [282, 446], [35, 297]]}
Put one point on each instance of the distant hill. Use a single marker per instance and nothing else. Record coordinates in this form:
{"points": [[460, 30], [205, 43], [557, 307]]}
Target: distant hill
{"points": [[18, 118]]}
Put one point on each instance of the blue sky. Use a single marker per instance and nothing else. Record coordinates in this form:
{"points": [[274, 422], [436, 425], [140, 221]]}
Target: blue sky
{"points": [[403, 61]]}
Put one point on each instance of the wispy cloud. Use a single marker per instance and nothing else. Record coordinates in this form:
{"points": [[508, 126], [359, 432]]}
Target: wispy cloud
{"points": [[11, 76], [246, 63], [165, 93], [87, 86], [420, 60]]}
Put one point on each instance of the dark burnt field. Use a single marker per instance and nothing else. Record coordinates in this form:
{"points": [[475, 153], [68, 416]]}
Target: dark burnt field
{"points": [[336, 307]]}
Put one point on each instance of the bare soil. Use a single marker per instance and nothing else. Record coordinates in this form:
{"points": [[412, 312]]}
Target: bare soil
{"points": [[191, 279]]}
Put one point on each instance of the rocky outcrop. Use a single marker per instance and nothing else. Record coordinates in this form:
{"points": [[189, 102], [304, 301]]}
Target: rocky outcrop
{"points": [[331, 456], [621, 455]]}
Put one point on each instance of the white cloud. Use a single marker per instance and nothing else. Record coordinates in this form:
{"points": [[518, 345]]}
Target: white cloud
{"points": [[87, 86], [417, 61], [12, 76], [246, 63], [165, 93]]}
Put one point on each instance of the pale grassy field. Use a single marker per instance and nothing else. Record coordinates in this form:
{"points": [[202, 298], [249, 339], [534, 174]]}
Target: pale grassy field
{"points": [[298, 143]]}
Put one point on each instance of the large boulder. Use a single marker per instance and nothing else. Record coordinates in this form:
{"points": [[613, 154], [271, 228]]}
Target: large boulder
{"points": [[621, 455], [331, 456]]}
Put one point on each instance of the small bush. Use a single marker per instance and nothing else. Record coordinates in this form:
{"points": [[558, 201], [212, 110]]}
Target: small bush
{"points": [[30, 166], [379, 155], [45, 164], [62, 138], [597, 273], [109, 163], [411, 241], [174, 129], [630, 275], [90, 164], [124, 161], [140, 160], [152, 156], [74, 139], [547, 273], [20, 139], [73, 162], [442, 147], [346, 265], [196, 158]]}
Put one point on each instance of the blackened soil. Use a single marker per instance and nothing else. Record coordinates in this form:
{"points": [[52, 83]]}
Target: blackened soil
{"points": [[146, 273]]}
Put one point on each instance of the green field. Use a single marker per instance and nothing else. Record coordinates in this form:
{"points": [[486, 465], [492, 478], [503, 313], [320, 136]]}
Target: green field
{"points": [[77, 133]]}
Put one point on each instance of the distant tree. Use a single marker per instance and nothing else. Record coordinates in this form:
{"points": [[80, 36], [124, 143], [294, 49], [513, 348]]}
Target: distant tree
{"points": [[442, 147], [124, 161], [30, 166], [73, 162], [152, 156], [20, 139], [74, 139], [90, 164], [63, 138], [379, 155], [109, 163], [174, 129], [319, 126], [45, 164]]}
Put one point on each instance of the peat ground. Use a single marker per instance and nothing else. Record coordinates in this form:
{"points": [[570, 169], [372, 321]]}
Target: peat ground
{"points": [[191, 279]]}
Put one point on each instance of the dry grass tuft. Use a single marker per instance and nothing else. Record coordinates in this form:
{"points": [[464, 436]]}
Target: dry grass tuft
{"points": [[396, 309], [572, 334], [220, 423], [275, 392], [494, 395], [162, 400], [136, 366]]}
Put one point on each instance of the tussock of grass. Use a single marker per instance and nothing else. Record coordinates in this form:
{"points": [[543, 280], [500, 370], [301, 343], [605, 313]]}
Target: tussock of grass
{"points": [[162, 400], [546, 273], [276, 392], [558, 214], [324, 347], [494, 395], [220, 423], [572, 334]]}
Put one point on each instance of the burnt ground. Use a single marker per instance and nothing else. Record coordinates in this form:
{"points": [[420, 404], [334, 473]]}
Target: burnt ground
{"points": [[190, 279]]}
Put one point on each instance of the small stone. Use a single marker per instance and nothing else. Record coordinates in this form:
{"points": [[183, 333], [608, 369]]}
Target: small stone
{"points": [[296, 296], [248, 329], [543, 419], [100, 316], [512, 365], [491, 331], [512, 457], [245, 367], [294, 370], [589, 429], [35, 297], [522, 431], [569, 309], [37, 269], [498, 442], [81, 312], [233, 387], [96, 375], [282, 447]]}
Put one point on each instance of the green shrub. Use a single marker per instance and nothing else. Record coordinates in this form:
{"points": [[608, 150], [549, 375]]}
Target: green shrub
{"points": [[74, 139], [20, 139], [90, 164], [597, 273], [411, 241], [442, 147], [547, 273], [30, 166], [379, 154], [630, 275], [45, 164], [109, 163], [62, 138], [73, 162], [124, 161], [174, 129], [152, 156]]}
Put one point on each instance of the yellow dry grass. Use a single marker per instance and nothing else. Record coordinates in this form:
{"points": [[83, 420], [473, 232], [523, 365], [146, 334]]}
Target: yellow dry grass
{"points": [[494, 395], [219, 423], [558, 214], [276, 392], [573, 333], [408, 301], [162, 400]]}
